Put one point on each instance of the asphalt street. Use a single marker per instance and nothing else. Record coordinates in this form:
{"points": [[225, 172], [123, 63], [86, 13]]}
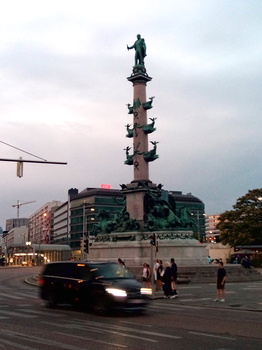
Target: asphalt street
{"points": [[239, 295]]}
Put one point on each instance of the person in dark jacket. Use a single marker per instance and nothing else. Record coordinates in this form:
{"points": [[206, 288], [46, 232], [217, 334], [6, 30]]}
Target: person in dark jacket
{"points": [[174, 276], [167, 278], [221, 281]]}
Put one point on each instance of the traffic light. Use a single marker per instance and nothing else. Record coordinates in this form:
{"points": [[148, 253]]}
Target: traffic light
{"points": [[19, 169], [153, 239], [86, 245]]}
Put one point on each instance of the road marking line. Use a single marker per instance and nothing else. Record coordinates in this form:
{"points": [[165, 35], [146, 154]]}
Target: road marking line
{"points": [[195, 299], [190, 287], [103, 331], [112, 329], [17, 345], [44, 313], [212, 336], [11, 296], [137, 324], [94, 340], [17, 314]]}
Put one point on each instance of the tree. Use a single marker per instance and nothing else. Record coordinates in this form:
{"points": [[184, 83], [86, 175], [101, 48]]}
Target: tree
{"points": [[243, 224]]}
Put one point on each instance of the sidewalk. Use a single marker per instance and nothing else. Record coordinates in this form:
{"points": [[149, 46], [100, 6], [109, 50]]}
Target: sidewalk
{"points": [[239, 295]]}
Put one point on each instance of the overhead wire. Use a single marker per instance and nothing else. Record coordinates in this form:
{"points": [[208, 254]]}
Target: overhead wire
{"points": [[31, 154]]}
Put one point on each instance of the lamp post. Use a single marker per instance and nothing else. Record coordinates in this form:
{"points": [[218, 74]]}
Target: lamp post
{"points": [[28, 244], [84, 232], [198, 213]]}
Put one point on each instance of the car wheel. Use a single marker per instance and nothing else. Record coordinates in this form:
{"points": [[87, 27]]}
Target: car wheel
{"points": [[100, 307], [51, 301]]}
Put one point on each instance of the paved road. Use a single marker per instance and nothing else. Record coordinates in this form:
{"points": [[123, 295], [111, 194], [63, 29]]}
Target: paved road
{"points": [[239, 296], [192, 321]]}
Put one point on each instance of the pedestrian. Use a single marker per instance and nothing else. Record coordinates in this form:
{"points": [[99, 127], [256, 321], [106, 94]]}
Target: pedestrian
{"points": [[173, 277], [167, 279], [155, 271], [246, 262], [159, 276], [146, 275], [221, 280]]}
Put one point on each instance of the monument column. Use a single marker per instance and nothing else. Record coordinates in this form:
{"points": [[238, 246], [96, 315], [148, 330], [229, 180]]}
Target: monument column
{"points": [[139, 78], [138, 188]]}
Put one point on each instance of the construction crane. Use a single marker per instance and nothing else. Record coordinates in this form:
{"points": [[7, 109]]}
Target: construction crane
{"points": [[18, 205]]}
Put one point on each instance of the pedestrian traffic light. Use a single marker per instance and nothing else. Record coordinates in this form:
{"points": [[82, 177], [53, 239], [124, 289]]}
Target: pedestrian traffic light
{"points": [[86, 246], [153, 239]]}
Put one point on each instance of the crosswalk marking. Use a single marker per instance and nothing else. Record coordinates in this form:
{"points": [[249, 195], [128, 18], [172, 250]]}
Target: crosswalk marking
{"points": [[10, 296], [16, 314], [43, 313]]}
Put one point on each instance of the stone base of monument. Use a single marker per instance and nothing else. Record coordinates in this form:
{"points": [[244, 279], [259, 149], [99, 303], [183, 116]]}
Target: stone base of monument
{"points": [[134, 248]]}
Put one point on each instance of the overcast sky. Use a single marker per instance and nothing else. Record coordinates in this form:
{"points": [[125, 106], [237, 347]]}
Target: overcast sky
{"points": [[63, 96]]}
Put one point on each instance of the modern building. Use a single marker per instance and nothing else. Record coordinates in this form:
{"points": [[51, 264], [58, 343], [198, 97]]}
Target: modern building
{"points": [[17, 222], [41, 223], [212, 233], [74, 219]]}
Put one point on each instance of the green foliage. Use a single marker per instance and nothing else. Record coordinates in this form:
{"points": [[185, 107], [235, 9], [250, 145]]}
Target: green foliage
{"points": [[243, 224]]}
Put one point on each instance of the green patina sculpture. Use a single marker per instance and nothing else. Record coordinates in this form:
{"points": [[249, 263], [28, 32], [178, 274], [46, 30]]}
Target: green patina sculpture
{"points": [[129, 158], [148, 104], [149, 128], [140, 48], [130, 132], [151, 155], [121, 222], [130, 108], [159, 215]]}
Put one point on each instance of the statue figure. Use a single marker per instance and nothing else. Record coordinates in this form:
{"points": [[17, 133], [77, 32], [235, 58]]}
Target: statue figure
{"points": [[130, 132], [150, 127], [140, 47], [148, 104], [129, 158], [130, 109], [151, 155], [159, 214]]}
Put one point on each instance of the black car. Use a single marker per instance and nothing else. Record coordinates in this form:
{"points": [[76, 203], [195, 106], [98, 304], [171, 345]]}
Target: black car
{"points": [[101, 286]]}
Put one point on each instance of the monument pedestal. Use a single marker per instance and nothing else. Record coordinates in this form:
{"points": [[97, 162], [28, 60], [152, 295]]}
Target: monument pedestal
{"points": [[135, 248]]}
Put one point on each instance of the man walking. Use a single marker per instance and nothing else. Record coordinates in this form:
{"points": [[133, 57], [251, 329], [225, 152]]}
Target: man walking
{"points": [[173, 277], [221, 280]]}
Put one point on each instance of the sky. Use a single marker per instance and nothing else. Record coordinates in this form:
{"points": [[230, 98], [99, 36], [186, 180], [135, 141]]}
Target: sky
{"points": [[64, 89]]}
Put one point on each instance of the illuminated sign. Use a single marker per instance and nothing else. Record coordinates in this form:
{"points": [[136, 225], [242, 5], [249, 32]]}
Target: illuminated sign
{"points": [[107, 187]]}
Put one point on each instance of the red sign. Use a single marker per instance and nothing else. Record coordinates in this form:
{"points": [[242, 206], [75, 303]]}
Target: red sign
{"points": [[107, 187]]}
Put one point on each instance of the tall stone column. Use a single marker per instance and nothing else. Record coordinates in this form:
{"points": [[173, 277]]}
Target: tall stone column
{"points": [[140, 139], [135, 191]]}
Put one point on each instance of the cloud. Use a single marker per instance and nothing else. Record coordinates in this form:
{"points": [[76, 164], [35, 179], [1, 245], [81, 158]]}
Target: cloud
{"points": [[63, 70]]}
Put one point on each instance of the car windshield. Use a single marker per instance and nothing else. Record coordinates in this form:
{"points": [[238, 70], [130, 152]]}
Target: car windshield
{"points": [[110, 271]]}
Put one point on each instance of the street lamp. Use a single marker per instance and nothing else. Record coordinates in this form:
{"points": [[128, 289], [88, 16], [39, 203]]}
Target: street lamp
{"points": [[28, 244], [198, 213]]}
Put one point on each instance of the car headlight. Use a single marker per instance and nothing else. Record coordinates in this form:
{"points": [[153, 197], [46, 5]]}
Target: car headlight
{"points": [[116, 292], [146, 291]]}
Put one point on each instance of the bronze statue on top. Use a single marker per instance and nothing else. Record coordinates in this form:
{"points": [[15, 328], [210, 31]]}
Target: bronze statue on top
{"points": [[140, 47]]}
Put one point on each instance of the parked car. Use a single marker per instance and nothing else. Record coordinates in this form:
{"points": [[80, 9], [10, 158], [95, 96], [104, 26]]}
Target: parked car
{"points": [[100, 286], [2, 261]]}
